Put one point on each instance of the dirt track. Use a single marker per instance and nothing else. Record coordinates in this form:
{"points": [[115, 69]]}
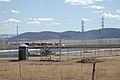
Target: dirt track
{"points": [[34, 69]]}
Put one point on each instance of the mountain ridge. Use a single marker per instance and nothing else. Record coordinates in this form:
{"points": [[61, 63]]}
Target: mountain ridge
{"points": [[74, 35]]}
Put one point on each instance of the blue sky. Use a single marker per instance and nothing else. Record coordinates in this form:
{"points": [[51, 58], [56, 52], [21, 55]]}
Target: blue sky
{"points": [[57, 15]]}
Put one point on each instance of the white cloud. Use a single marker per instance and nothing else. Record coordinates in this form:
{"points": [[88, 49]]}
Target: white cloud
{"points": [[85, 19], [100, 11], [41, 20], [109, 15], [15, 11], [12, 21], [5, 0], [44, 21], [98, 0], [95, 7], [82, 2], [56, 23], [33, 22]]}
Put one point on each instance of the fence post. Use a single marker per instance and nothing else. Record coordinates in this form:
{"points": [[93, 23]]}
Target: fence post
{"points": [[93, 71], [20, 70]]}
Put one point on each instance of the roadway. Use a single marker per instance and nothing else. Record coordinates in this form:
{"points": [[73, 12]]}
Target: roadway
{"points": [[79, 46]]}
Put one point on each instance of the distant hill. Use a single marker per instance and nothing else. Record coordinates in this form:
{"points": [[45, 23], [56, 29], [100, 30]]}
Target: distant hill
{"points": [[6, 36], [74, 35]]}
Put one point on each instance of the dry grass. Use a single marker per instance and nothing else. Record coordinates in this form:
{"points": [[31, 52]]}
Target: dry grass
{"points": [[68, 70]]}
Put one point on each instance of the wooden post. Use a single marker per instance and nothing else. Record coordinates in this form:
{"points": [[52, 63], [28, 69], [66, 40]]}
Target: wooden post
{"points": [[20, 71], [93, 71], [81, 59]]}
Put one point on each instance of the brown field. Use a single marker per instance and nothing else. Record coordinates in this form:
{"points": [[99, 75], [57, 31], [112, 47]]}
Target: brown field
{"points": [[34, 69]]}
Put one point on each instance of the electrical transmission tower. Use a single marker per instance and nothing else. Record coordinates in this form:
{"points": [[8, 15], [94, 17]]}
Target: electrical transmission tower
{"points": [[101, 35], [82, 34]]}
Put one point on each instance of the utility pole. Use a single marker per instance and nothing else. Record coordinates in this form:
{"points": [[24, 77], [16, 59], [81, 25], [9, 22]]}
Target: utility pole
{"points": [[82, 40], [102, 31], [60, 43], [82, 30], [17, 35], [102, 22], [102, 25]]}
